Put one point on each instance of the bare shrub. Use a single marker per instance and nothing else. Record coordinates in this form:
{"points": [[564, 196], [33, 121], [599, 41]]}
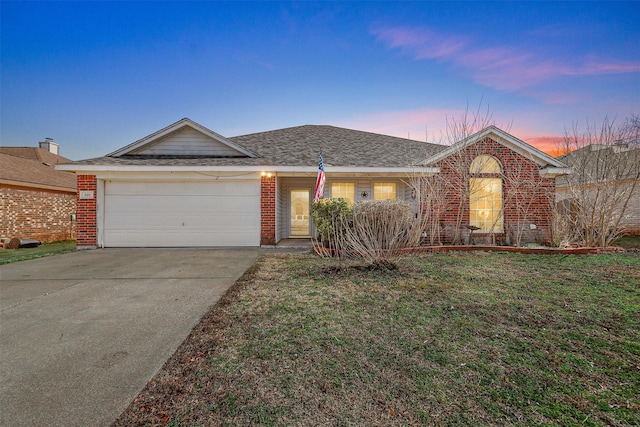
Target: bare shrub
{"points": [[381, 229], [605, 162], [564, 233]]}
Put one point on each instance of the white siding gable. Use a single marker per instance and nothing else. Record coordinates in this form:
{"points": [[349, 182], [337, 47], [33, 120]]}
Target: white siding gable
{"points": [[187, 141], [184, 138]]}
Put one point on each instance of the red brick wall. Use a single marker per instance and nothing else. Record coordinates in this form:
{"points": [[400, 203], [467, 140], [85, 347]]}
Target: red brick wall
{"points": [[527, 197], [268, 210], [43, 215], [87, 214]]}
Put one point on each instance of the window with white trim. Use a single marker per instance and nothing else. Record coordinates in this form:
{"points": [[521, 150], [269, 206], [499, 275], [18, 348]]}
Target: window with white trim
{"points": [[384, 191], [485, 195], [344, 190]]}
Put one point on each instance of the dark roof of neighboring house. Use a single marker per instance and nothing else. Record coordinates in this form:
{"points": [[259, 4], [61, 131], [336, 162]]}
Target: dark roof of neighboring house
{"points": [[300, 146], [34, 167]]}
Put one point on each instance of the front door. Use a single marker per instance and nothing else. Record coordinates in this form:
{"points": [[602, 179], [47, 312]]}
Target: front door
{"points": [[300, 213]]}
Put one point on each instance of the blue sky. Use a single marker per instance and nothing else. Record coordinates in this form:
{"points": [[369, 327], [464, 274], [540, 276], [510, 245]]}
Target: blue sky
{"points": [[96, 76]]}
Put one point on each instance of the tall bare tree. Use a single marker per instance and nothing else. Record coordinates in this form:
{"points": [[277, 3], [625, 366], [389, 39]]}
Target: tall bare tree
{"points": [[445, 197], [600, 199]]}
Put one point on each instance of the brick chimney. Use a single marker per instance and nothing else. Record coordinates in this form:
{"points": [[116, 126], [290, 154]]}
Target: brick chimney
{"points": [[49, 145]]}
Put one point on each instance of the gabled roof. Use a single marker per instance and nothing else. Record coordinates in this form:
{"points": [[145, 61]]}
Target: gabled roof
{"points": [[183, 138], [302, 145], [501, 137], [34, 167], [290, 149], [297, 149]]}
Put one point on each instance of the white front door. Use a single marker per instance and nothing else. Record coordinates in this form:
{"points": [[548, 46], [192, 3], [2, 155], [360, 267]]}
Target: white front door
{"points": [[299, 213]]}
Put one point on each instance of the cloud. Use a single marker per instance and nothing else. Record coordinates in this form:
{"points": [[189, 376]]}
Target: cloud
{"points": [[552, 145], [499, 67], [420, 124], [429, 125], [597, 67], [423, 43]]}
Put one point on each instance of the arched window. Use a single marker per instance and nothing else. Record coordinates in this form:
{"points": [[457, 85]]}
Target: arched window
{"points": [[485, 195], [485, 164]]}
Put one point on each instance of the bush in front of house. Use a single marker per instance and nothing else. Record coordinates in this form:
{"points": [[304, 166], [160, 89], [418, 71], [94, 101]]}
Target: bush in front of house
{"points": [[374, 231], [381, 229], [331, 218]]}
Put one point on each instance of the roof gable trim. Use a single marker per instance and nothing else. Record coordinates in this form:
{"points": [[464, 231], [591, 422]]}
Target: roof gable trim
{"points": [[500, 137], [138, 146]]}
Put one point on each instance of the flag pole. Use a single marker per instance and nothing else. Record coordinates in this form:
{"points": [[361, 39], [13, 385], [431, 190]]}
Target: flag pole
{"points": [[320, 179]]}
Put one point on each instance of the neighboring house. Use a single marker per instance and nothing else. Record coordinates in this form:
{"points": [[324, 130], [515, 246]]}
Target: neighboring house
{"points": [[186, 185], [36, 200], [606, 179]]}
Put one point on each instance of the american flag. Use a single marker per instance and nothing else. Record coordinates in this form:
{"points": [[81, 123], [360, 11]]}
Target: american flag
{"points": [[319, 181]]}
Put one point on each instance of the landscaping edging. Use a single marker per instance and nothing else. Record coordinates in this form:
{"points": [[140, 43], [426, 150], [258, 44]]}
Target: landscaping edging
{"points": [[451, 248]]}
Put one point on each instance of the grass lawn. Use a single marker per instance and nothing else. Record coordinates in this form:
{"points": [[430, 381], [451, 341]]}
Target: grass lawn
{"points": [[46, 249], [628, 242], [448, 339]]}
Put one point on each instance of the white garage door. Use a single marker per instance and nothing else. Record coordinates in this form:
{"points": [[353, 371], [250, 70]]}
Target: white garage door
{"points": [[182, 214]]}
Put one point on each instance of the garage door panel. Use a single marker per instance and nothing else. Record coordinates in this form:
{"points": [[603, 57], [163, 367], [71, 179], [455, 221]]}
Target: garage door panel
{"points": [[181, 214], [196, 205], [179, 222], [167, 189], [162, 239]]}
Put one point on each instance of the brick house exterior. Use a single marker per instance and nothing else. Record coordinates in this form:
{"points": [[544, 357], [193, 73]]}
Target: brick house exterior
{"points": [[267, 210], [86, 211], [36, 201], [188, 186], [527, 196]]}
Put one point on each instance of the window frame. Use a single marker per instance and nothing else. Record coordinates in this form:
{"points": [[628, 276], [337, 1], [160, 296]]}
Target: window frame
{"points": [[351, 199], [392, 184], [486, 172]]}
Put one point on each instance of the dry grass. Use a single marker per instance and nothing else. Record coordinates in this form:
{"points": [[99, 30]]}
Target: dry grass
{"points": [[448, 339]]}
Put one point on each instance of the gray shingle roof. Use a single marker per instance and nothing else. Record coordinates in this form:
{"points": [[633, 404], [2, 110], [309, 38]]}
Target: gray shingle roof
{"points": [[301, 146], [340, 147]]}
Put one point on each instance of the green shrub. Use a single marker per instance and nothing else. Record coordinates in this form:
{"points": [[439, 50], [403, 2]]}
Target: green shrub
{"points": [[331, 217]]}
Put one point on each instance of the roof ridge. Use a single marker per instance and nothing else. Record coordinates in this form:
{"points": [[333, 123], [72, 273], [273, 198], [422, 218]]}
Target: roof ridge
{"points": [[338, 128]]}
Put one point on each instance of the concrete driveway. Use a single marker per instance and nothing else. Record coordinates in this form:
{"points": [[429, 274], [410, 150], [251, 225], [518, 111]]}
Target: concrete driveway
{"points": [[82, 333]]}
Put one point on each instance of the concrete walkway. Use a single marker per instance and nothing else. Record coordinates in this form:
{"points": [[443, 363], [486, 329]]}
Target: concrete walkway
{"points": [[82, 333]]}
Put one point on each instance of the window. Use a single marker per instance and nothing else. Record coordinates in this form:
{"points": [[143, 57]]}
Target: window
{"points": [[485, 195], [485, 210], [384, 191], [485, 164], [345, 190]]}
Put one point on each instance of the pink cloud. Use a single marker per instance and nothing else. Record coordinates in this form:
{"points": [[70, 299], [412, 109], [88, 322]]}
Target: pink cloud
{"points": [[607, 68], [404, 124], [505, 69], [502, 68], [423, 43], [551, 145]]}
